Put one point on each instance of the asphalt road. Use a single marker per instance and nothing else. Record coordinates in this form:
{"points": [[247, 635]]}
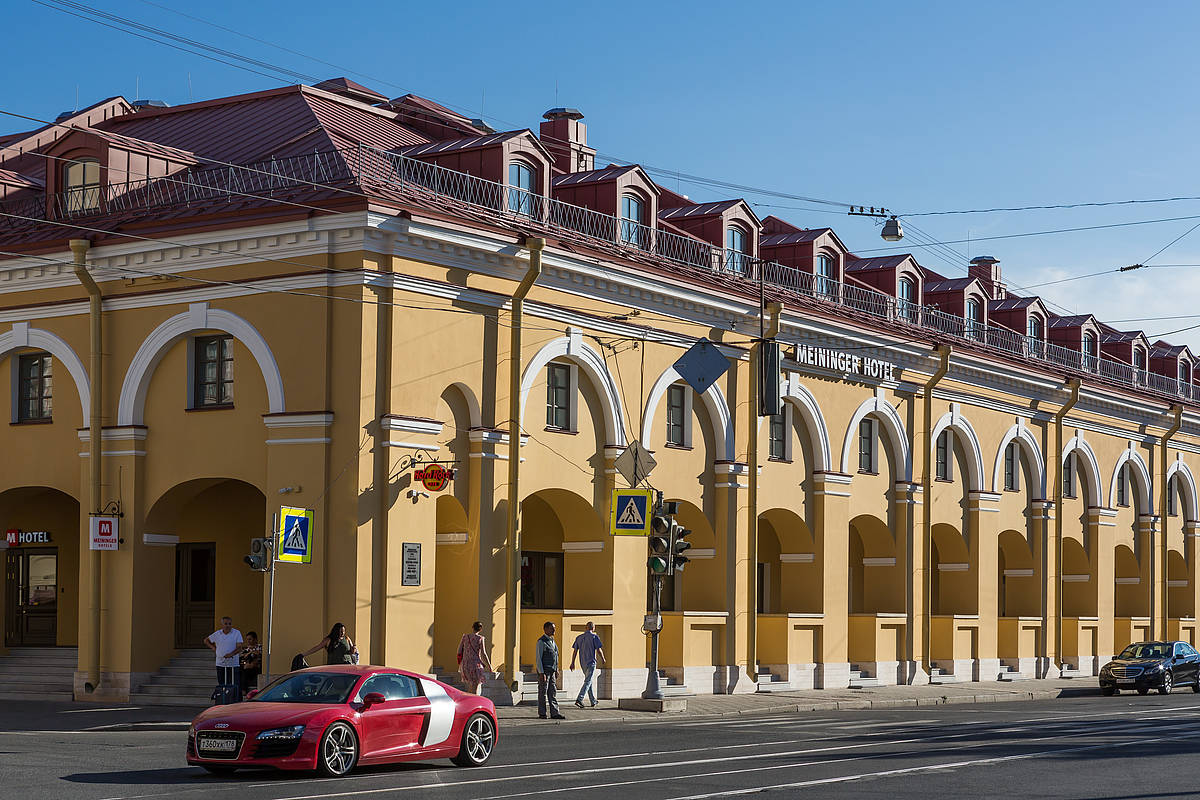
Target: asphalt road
{"points": [[1093, 747]]}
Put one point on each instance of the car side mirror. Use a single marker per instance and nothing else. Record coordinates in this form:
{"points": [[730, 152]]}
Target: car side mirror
{"points": [[373, 698], [251, 693]]}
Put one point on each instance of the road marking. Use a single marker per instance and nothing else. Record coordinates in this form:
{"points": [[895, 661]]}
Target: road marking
{"points": [[100, 710]]}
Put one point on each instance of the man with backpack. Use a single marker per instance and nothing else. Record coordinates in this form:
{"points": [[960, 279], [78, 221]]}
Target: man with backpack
{"points": [[545, 663]]}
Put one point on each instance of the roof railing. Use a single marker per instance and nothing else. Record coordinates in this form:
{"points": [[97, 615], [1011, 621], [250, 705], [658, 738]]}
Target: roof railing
{"points": [[412, 179]]}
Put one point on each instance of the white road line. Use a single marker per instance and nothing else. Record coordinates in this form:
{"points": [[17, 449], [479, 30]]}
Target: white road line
{"points": [[100, 710]]}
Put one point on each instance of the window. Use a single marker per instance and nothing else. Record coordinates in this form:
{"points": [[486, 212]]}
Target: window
{"points": [[866, 446], [777, 436], [541, 580], [1185, 376], [1122, 494], [1037, 334], [213, 377], [559, 396], [1012, 468], [974, 319], [1068, 476], [945, 455], [1139, 363], [633, 217], [825, 272], [1172, 499], [81, 182], [678, 413], [1089, 351], [907, 293], [520, 193], [392, 687], [737, 249], [35, 395]]}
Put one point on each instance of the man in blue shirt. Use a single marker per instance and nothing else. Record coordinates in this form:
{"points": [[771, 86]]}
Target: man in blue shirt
{"points": [[587, 647], [545, 663]]}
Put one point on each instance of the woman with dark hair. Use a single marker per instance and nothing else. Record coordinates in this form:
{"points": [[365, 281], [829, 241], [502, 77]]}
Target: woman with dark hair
{"points": [[337, 646], [473, 659]]}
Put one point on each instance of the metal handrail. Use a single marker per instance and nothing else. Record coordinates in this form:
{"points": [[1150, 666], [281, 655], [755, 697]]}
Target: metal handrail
{"points": [[410, 178]]}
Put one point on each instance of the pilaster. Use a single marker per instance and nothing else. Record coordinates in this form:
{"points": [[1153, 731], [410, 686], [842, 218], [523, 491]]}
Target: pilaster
{"points": [[1046, 537], [913, 559], [983, 517], [831, 529], [1102, 537]]}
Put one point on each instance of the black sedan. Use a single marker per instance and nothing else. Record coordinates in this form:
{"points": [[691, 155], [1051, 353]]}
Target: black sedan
{"points": [[1152, 665]]}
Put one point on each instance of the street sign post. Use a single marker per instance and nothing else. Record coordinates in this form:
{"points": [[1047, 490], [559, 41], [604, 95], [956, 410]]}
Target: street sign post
{"points": [[296, 535], [635, 463], [631, 512]]}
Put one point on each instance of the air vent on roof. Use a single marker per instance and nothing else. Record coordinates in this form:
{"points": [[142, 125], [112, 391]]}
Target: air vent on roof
{"points": [[563, 113], [140, 104], [483, 126], [565, 136], [64, 115]]}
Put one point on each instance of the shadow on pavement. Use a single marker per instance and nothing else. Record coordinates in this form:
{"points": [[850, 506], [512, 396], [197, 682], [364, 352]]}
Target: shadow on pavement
{"points": [[189, 775]]}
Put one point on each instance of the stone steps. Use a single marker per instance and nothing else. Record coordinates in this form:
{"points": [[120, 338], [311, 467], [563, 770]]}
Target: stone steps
{"points": [[861, 679], [938, 676], [1010, 673], [39, 673], [768, 681], [188, 679]]}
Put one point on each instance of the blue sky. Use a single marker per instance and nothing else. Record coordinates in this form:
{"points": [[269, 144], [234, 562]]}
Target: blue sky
{"points": [[918, 107]]}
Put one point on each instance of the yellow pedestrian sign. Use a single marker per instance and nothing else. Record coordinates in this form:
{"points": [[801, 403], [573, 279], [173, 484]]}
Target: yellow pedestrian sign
{"points": [[296, 535], [631, 512]]}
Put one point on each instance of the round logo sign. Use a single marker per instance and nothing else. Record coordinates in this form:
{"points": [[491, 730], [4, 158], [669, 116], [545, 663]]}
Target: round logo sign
{"points": [[434, 477]]}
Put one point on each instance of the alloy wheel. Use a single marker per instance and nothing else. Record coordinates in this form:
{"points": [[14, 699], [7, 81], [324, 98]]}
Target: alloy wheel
{"points": [[339, 750], [1166, 683], [480, 737]]}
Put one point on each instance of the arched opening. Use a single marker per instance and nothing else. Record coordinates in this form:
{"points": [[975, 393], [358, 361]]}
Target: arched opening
{"points": [[876, 582], [789, 566], [1079, 597], [1131, 598], [953, 579], [1180, 597], [1019, 589], [41, 575]]}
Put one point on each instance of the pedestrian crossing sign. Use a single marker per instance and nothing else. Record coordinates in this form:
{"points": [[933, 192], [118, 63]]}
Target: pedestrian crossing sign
{"points": [[631, 512], [296, 535]]}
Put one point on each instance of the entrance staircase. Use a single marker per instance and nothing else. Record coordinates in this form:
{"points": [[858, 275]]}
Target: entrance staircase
{"points": [[1010, 673], [770, 682], [938, 676], [861, 679], [188, 679], [38, 673]]}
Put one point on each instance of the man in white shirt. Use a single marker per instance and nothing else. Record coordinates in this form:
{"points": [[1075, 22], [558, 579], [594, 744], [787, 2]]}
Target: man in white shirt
{"points": [[226, 643]]}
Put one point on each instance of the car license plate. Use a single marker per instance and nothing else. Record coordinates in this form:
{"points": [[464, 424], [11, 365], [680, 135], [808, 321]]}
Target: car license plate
{"points": [[218, 745], [1126, 680]]}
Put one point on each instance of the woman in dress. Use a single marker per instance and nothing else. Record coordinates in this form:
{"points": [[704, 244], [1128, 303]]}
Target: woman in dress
{"points": [[337, 646], [472, 659]]}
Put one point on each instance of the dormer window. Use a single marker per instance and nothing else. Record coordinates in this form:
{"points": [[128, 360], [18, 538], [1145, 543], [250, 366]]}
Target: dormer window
{"points": [[81, 183], [633, 218], [1185, 373], [974, 319], [1089, 351], [906, 291], [520, 192], [1139, 362], [1037, 334], [825, 275], [737, 250]]}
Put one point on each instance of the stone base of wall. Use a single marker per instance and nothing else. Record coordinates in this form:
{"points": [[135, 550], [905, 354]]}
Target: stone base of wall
{"points": [[114, 686], [963, 669], [798, 676], [988, 670], [832, 676]]}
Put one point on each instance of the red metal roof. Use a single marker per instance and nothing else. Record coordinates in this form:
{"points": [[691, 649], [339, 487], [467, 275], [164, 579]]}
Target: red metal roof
{"points": [[878, 262], [1073, 321], [465, 143], [698, 209], [799, 237], [947, 284], [610, 173]]}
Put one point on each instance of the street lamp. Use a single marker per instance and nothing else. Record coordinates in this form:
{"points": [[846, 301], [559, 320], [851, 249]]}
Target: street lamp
{"points": [[892, 232]]}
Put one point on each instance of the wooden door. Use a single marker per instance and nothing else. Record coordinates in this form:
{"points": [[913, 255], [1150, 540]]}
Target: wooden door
{"points": [[195, 593]]}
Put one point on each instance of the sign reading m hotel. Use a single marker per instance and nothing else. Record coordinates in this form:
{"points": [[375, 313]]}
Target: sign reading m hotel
{"points": [[844, 362]]}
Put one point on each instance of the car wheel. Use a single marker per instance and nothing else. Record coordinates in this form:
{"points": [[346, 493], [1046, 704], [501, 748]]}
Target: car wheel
{"points": [[479, 735], [1144, 690], [1196, 686], [1108, 691], [1166, 684], [218, 770], [338, 752]]}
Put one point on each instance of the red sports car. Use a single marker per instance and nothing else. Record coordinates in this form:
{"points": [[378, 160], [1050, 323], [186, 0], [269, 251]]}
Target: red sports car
{"points": [[333, 718]]}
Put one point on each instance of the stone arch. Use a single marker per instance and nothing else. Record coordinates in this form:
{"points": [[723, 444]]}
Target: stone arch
{"points": [[1087, 460], [814, 422], [1141, 479], [572, 348], [1029, 448], [198, 317], [22, 335], [893, 427], [714, 403], [471, 401], [966, 434], [1187, 485]]}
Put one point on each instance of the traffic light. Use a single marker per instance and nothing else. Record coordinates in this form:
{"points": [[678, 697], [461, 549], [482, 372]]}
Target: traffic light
{"points": [[659, 561], [679, 544], [260, 555], [770, 363]]}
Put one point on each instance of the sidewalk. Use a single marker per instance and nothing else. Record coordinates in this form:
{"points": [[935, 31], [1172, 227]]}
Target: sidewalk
{"points": [[824, 700]]}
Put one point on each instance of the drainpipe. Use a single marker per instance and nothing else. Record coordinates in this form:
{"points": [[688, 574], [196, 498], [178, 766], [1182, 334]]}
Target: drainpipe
{"points": [[768, 329], [1073, 384], [1177, 410], [80, 248], [512, 586], [943, 352]]}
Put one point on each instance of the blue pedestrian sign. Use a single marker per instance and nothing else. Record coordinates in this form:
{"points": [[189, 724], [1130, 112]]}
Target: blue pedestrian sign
{"points": [[296, 535], [631, 512]]}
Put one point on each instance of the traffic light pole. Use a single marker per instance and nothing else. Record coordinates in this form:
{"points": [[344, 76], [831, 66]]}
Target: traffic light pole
{"points": [[270, 602], [653, 690]]}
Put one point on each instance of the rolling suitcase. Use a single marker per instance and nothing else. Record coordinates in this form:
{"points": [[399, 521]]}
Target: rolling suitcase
{"points": [[227, 691]]}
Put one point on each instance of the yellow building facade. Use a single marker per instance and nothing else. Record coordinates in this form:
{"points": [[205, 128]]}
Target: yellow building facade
{"points": [[944, 512]]}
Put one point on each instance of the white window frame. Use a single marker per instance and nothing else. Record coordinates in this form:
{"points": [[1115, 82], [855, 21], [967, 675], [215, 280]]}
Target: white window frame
{"points": [[943, 458], [572, 394], [687, 415], [873, 452], [1068, 476], [786, 413], [1012, 467]]}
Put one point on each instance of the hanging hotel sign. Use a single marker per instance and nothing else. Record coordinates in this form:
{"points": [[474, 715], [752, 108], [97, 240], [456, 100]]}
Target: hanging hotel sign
{"points": [[16, 538], [842, 361], [434, 477], [103, 532]]}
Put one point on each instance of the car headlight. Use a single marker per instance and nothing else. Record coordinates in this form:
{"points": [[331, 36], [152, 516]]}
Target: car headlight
{"points": [[292, 732]]}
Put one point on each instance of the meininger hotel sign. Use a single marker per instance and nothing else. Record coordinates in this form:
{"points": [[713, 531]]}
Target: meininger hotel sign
{"points": [[842, 361]]}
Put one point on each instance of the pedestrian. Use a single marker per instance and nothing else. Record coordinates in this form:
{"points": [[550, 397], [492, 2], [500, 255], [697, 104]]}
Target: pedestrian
{"points": [[251, 662], [473, 661], [545, 662], [337, 646], [226, 642], [588, 647]]}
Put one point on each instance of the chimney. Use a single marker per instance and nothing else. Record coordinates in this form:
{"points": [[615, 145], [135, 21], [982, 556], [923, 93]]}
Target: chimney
{"points": [[986, 269], [565, 136]]}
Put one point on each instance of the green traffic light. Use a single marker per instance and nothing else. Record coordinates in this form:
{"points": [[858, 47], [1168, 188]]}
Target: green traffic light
{"points": [[657, 565]]}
